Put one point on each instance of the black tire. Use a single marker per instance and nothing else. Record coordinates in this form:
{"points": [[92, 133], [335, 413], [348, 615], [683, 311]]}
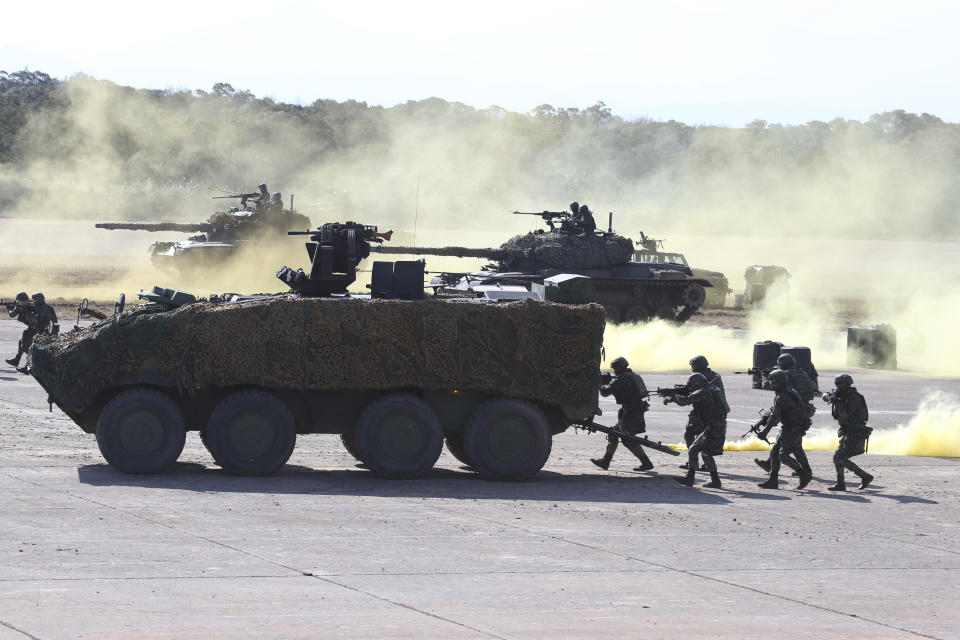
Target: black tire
{"points": [[141, 431], [694, 295], [251, 433], [666, 313], [349, 440], [507, 439], [636, 313], [204, 441], [612, 313], [455, 447], [399, 436]]}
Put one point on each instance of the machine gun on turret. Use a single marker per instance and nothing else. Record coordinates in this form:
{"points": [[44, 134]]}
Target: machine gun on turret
{"points": [[548, 216]]}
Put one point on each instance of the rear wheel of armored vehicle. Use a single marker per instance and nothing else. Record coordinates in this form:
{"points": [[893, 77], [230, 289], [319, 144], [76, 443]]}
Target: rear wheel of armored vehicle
{"points": [[612, 313], [456, 448], [141, 431], [507, 439], [399, 436], [251, 433], [349, 440], [666, 313]]}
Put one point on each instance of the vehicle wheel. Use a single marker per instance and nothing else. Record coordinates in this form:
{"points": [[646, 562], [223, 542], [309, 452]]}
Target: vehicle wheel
{"points": [[455, 447], [349, 440], [251, 433], [613, 314], [141, 431], [694, 295], [399, 436], [666, 313], [636, 313], [507, 439]]}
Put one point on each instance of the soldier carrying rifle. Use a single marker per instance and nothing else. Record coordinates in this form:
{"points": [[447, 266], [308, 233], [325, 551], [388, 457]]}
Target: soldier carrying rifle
{"points": [[849, 408], [630, 393], [39, 317], [709, 412]]}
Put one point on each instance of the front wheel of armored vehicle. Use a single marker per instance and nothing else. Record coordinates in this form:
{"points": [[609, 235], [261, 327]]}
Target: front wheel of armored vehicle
{"points": [[141, 431], [507, 439], [399, 436], [251, 433]]}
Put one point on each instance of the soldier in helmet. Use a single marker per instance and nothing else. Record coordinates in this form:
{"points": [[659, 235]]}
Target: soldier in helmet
{"points": [[699, 364], [571, 224], [586, 222], [709, 410], [263, 200], [849, 408], [22, 312], [790, 412], [276, 202], [43, 321], [630, 392], [801, 383]]}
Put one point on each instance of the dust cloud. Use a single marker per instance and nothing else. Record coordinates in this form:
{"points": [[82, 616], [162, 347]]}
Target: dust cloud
{"points": [[933, 431], [862, 214]]}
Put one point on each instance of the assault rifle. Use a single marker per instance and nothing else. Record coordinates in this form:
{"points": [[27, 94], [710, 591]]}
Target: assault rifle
{"points": [[593, 427], [760, 427], [756, 371], [13, 304], [669, 394]]}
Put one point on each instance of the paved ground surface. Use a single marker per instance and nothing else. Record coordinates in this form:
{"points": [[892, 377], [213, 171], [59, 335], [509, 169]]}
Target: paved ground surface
{"points": [[325, 549]]}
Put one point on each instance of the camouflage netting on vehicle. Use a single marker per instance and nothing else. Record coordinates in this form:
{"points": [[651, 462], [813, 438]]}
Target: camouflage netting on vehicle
{"points": [[528, 349], [568, 251]]}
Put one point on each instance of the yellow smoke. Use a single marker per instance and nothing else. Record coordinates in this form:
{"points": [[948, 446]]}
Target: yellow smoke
{"points": [[933, 431]]}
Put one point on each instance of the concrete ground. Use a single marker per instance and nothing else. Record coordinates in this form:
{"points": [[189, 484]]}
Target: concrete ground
{"points": [[325, 549]]}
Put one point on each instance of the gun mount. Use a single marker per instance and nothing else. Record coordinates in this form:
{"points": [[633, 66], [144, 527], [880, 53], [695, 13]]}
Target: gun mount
{"points": [[629, 290]]}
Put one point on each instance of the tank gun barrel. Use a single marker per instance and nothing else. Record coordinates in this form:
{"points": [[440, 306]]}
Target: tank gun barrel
{"points": [[156, 226], [456, 252]]}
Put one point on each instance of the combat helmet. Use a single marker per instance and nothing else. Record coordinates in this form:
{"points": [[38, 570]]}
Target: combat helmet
{"points": [[778, 379], [620, 364], [699, 364], [38, 297], [696, 381], [22, 296], [843, 381], [786, 361]]}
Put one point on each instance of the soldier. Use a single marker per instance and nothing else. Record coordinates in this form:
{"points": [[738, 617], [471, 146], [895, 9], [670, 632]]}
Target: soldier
{"points": [[790, 412], [801, 383], [22, 313], [699, 364], [587, 224], [849, 408], [264, 198], [276, 202], [630, 393], [571, 224], [709, 410]]}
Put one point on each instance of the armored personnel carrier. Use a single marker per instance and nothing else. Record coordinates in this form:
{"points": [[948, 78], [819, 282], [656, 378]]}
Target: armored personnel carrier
{"points": [[629, 291], [221, 236], [393, 373]]}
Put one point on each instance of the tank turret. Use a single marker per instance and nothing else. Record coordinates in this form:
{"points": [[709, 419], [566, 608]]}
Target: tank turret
{"points": [[629, 291]]}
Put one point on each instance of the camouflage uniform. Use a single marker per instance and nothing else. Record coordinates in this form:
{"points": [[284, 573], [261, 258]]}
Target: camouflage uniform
{"points": [[710, 411], [849, 408], [629, 390], [789, 411]]}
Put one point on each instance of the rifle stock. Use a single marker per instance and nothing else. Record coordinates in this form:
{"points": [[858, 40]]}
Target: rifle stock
{"points": [[590, 425]]}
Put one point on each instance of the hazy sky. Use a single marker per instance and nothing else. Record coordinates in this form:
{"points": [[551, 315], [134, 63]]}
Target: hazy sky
{"points": [[723, 62]]}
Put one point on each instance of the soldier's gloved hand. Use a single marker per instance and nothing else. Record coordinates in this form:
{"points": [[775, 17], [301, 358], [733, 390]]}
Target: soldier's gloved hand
{"points": [[827, 397]]}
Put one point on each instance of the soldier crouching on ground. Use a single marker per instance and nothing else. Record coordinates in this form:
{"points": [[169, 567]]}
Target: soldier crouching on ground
{"points": [[709, 410], [630, 393], [849, 408], [21, 311], [790, 412]]}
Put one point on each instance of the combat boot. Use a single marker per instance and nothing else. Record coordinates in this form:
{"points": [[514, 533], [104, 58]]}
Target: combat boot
{"points": [[865, 480], [805, 479], [687, 479], [13, 362], [646, 466], [684, 466], [763, 464], [771, 483], [841, 483], [714, 481], [603, 463]]}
